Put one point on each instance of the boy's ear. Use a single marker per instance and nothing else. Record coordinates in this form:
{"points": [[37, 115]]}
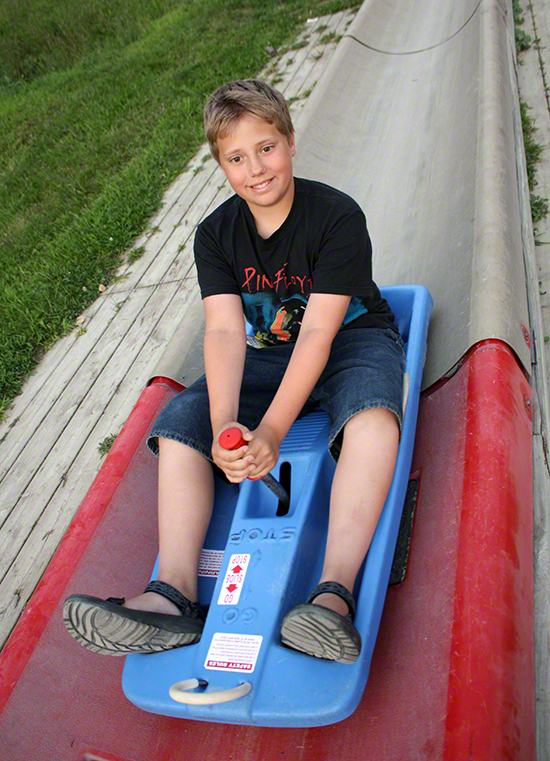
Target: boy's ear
{"points": [[292, 144]]}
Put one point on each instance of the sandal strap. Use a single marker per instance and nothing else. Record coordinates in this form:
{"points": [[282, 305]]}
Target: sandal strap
{"points": [[334, 588], [185, 606]]}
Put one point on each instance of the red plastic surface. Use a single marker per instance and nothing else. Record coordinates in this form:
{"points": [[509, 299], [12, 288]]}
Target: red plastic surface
{"points": [[452, 675], [490, 707], [35, 617]]}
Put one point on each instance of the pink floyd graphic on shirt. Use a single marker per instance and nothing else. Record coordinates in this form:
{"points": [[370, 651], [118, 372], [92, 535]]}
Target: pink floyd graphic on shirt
{"points": [[255, 281], [274, 319]]}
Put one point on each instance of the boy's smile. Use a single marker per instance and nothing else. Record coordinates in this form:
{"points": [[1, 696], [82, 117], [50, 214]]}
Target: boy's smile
{"points": [[257, 160]]}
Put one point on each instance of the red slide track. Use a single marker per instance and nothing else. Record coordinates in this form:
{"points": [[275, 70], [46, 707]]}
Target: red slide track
{"points": [[453, 671]]}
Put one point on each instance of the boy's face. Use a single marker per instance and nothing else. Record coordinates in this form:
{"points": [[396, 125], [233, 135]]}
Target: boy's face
{"points": [[257, 160]]}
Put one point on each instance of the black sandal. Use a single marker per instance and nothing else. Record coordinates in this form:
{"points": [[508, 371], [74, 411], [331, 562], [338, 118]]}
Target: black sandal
{"points": [[104, 626], [321, 632]]}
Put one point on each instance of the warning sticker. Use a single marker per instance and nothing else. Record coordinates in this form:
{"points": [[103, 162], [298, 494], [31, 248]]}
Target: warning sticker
{"points": [[210, 563], [234, 580], [233, 652]]}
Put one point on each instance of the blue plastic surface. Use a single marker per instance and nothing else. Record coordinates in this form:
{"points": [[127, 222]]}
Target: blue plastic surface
{"points": [[283, 557]]}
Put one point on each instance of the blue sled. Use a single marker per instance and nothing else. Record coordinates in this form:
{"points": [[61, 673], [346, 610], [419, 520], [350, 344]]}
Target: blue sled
{"points": [[269, 563]]}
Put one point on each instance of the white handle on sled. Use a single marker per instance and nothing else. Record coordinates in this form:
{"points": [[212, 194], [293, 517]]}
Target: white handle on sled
{"points": [[179, 692]]}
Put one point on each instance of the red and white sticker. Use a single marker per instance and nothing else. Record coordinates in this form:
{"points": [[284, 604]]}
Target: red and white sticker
{"points": [[233, 652], [210, 563], [234, 580]]}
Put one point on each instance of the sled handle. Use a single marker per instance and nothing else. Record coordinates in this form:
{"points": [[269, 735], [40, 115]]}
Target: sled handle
{"points": [[180, 692], [232, 438]]}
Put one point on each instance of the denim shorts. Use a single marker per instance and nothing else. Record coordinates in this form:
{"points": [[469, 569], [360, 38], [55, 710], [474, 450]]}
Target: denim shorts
{"points": [[364, 370]]}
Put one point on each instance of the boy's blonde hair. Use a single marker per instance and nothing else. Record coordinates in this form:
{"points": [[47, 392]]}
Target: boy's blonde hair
{"points": [[232, 101]]}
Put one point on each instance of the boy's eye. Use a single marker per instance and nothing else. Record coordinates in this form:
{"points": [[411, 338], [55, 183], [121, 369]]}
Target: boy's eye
{"points": [[267, 148], [235, 160]]}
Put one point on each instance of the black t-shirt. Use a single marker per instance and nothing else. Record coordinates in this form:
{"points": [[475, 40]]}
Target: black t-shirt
{"points": [[322, 247]]}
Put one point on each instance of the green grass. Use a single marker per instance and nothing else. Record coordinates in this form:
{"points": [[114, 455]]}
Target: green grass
{"points": [[104, 447], [100, 109], [533, 149], [523, 40], [533, 156], [539, 207]]}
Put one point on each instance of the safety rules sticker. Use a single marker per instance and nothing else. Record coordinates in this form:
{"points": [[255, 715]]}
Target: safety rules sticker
{"points": [[234, 580], [210, 563], [233, 652]]}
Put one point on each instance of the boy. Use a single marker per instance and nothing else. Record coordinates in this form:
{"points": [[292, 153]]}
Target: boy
{"points": [[294, 257]]}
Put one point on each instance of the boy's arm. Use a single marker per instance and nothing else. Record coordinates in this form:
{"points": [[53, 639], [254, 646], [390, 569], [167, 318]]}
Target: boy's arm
{"points": [[321, 321], [224, 356]]}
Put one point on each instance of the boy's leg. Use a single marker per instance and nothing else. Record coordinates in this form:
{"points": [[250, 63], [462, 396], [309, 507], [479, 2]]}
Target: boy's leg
{"points": [[186, 479], [185, 501], [323, 627], [359, 490], [169, 615], [365, 373]]}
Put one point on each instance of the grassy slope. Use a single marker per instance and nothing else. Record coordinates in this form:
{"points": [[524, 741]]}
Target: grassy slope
{"points": [[98, 117]]}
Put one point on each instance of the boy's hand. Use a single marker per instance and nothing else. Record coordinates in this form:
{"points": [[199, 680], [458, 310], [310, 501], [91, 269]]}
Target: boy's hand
{"points": [[253, 460], [264, 448], [237, 464]]}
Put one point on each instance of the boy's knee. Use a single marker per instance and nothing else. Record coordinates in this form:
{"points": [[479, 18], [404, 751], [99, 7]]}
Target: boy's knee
{"points": [[377, 420], [173, 449]]}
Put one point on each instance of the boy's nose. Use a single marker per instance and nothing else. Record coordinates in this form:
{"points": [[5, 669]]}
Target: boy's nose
{"points": [[256, 166]]}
